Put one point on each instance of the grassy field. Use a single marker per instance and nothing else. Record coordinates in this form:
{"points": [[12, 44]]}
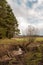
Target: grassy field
{"points": [[18, 40], [33, 56]]}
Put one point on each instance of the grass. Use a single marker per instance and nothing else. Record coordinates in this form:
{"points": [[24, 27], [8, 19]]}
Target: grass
{"points": [[18, 40], [39, 39], [31, 58]]}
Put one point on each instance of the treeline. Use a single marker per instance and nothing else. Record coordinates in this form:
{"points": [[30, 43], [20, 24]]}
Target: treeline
{"points": [[8, 22]]}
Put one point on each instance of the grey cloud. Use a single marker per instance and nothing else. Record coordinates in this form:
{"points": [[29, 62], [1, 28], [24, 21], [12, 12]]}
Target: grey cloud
{"points": [[23, 12]]}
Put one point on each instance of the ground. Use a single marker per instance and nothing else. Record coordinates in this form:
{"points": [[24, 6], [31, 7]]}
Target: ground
{"points": [[33, 55]]}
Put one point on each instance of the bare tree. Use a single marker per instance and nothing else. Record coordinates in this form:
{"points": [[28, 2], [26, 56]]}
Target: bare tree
{"points": [[32, 32]]}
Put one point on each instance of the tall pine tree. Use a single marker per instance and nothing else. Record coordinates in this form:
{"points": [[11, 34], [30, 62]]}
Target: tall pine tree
{"points": [[8, 22]]}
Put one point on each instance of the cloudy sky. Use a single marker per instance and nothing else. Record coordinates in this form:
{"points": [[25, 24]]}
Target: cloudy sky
{"points": [[28, 12]]}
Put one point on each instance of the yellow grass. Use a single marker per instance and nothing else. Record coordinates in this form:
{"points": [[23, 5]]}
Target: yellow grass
{"points": [[18, 40], [39, 38]]}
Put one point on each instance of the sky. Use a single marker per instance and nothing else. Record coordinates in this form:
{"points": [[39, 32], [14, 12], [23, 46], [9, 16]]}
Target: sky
{"points": [[28, 12]]}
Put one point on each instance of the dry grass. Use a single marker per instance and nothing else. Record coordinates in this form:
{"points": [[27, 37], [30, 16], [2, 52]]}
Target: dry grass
{"points": [[18, 40]]}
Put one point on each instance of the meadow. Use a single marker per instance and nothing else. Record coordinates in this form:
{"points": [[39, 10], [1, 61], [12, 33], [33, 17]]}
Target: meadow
{"points": [[32, 56], [19, 40]]}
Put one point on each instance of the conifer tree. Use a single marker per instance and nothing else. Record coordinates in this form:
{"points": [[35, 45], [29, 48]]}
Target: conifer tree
{"points": [[8, 22]]}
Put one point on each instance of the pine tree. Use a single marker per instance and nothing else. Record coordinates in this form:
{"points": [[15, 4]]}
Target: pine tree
{"points": [[8, 22]]}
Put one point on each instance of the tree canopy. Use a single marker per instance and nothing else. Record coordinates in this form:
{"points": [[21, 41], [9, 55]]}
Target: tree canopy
{"points": [[8, 22]]}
